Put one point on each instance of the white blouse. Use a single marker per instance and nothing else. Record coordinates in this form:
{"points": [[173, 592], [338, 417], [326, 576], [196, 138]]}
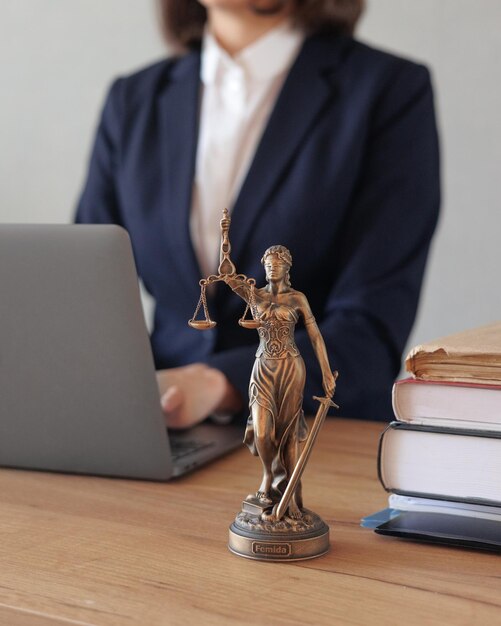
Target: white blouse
{"points": [[238, 94]]}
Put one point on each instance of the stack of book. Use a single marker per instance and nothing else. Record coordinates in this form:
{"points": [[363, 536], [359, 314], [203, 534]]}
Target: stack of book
{"points": [[441, 457]]}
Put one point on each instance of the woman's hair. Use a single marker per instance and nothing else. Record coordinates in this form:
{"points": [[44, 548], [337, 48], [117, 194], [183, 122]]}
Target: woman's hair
{"points": [[183, 20], [284, 255]]}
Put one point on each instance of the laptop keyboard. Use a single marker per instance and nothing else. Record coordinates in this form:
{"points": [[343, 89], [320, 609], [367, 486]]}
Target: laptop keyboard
{"points": [[182, 447]]}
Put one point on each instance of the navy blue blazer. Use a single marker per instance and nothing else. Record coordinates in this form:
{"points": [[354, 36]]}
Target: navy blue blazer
{"points": [[346, 175]]}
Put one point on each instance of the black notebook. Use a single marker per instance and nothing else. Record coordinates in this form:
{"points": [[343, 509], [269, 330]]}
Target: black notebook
{"points": [[457, 530]]}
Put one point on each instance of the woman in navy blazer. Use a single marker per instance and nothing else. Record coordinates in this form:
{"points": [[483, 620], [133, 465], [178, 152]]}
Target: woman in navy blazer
{"points": [[346, 175]]}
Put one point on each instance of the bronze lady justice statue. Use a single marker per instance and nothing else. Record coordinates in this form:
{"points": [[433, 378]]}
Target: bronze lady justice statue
{"points": [[276, 424]]}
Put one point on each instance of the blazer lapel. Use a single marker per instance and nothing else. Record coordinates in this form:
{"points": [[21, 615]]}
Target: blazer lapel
{"points": [[179, 113], [307, 90]]}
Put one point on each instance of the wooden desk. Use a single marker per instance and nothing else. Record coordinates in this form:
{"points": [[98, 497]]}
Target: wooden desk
{"points": [[81, 550]]}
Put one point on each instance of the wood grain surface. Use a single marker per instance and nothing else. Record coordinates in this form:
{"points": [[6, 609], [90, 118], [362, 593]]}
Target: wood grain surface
{"points": [[85, 550]]}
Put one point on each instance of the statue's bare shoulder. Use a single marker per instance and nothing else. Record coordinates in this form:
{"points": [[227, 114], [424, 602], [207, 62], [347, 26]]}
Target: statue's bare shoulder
{"points": [[298, 299]]}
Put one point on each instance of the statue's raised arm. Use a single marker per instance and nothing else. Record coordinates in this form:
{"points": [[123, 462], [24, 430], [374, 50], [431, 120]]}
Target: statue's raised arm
{"points": [[239, 283], [226, 265]]}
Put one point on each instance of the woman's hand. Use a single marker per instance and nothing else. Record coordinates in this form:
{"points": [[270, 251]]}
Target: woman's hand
{"points": [[191, 393], [329, 383]]}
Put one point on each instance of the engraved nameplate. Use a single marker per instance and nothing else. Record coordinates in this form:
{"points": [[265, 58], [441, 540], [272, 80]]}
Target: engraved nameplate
{"points": [[271, 549]]}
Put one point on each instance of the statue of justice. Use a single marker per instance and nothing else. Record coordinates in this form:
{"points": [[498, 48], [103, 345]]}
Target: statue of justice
{"points": [[273, 523]]}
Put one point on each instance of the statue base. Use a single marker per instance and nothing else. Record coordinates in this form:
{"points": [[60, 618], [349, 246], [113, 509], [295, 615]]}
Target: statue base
{"points": [[284, 540]]}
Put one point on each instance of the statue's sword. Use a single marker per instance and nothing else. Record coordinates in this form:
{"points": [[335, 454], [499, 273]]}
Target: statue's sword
{"points": [[280, 508]]}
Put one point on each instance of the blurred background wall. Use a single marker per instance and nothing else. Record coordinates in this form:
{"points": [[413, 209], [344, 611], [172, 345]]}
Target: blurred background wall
{"points": [[57, 58]]}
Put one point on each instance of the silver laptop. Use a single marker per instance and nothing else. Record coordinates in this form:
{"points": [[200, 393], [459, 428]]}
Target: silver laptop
{"points": [[78, 391]]}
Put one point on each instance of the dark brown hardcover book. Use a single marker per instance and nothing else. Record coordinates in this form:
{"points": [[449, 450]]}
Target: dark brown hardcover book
{"points": [[441, 463]]}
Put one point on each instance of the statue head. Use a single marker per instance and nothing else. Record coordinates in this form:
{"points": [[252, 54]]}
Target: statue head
{"points": [[282, 256]]}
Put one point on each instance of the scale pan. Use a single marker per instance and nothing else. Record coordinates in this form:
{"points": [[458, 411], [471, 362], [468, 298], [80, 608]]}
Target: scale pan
{"points": [[249, 323], [202, 324]]}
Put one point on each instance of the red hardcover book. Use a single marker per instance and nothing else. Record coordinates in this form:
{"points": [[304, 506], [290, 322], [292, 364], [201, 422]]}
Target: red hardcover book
{"points": [[447, 404]]}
